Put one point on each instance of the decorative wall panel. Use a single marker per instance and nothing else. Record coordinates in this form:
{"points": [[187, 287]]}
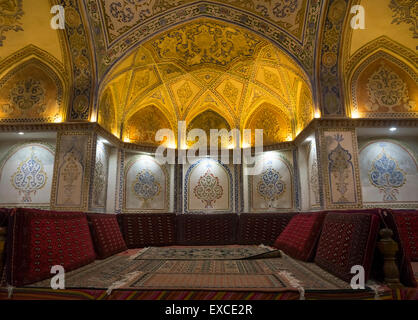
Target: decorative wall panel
{"points": [[383, 86], [273, 189], [31, 92], [100, 177], [389, 175], [208, 187], [26, 175], [313, 177], [146, 185], [72, 171], [340, 168]]}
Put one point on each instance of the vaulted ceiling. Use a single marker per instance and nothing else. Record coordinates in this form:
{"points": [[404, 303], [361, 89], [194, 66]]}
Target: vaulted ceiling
{"points": [[139, 65], [208, 65]]}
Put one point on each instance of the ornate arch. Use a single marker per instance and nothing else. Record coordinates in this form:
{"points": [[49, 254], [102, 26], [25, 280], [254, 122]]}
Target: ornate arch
{"points": [[301, 49], [37, 95], [146, 185], [214, 178], [275, 122], [142, 126], [82, 61], [388, 170], [367, 90]]}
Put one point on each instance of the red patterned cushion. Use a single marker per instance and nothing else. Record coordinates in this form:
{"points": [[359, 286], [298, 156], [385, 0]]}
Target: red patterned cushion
{"points": [[347, 239], [148, 229], [107, 238], [262, 228], [407, 223], [301, 235], [41, 239], [207, 229]]}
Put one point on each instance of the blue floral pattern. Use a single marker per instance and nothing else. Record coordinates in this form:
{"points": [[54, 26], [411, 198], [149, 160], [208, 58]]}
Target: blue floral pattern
{"points": [[145, 187], [387, 176], [271, 187], [29, 177]]}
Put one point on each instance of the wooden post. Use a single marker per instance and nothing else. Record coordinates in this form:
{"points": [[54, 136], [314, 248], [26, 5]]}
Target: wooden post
{"points": [[388, 247], [3, 232]]}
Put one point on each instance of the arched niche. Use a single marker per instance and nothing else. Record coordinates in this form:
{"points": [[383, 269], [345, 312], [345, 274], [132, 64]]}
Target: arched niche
{"points": [[275, 124], [389, 174], [142, 126], [206, 121], [208, 187], [31, 92], [26, 175], [272, 189], [383, 86], [146, 186]]}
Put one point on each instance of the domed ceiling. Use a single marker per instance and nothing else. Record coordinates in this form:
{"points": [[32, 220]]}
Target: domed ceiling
{"points": [[206, 72]]}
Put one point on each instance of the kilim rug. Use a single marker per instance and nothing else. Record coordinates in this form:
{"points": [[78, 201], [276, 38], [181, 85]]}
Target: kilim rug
{"points": [[205, 253], [126, 271]]}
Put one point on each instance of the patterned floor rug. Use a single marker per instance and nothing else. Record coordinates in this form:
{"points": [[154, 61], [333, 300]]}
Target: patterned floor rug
{"points": [[126, 271], [205, 253]]}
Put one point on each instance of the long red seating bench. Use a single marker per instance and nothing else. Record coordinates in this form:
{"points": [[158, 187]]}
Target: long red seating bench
{"points": [[261, 228], [334, 240], [143, 230]]}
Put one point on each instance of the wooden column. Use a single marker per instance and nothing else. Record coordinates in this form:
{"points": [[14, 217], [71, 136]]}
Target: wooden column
{"points": [[388, 247]]}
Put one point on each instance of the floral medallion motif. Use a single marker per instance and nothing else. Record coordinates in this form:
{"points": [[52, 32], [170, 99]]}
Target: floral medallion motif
{"points": [[208, 189], [340, 166], [386, 175], [145, 187], [10, 14], [28, 93], [271, 187], [205, 42], [29, 177], [387, 89]]}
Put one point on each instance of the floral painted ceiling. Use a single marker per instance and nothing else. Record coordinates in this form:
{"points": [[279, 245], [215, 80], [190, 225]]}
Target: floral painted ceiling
{"points": [[120, 25], [139, 65], [206, 65]]}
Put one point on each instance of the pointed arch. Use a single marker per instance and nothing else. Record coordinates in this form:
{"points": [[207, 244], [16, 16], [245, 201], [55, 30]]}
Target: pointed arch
{"points": [[142, 126], [368, 96], [33, 91], [276, 125]]}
